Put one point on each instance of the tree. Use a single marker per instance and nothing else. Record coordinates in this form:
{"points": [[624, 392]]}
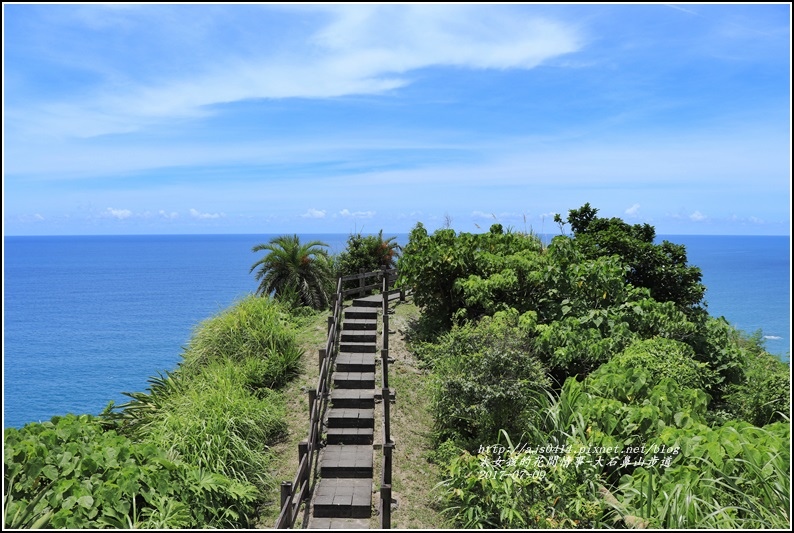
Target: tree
{"points": [[662, 268], [370, 252], [294, 272]]}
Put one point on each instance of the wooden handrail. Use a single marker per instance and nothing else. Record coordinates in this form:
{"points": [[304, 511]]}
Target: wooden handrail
{"points": [[293, 494], [388, 444]]}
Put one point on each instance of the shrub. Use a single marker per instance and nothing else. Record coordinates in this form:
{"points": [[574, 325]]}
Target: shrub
{"points": [[485, 379], [665, 358], [253, 328], [764, 394], [70, 473], [215, 423]]}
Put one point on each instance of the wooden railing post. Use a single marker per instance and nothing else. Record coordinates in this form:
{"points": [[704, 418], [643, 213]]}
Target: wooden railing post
{"points": [[384, 357], [361, 282], [321, 357], [387, 461], [303, 450], [385, 507], [286, 492]]}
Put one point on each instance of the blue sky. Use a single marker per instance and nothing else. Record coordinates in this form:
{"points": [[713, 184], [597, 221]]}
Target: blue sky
{"points": [[124, 119]]}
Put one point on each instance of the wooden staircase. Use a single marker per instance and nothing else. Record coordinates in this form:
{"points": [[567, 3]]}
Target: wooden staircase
{"points": [[343, 496]]}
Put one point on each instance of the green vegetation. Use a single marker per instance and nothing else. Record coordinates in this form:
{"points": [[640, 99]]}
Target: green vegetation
{"points": [[192, 451], [576, 385], [293, 272], [368, 253], [629, 405]]}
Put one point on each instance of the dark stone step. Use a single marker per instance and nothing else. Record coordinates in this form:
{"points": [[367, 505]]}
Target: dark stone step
{"points": [[369, 302], [355, 362], [353, 398], [348, 417], [354, 380], [361, 312], [350, 435], [346, 461], [342, 498], [339, 523], [359, 324], [358, 335], [358, 347]]}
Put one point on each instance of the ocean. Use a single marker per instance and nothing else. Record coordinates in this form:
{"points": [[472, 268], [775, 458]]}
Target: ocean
{"points": [[88, 317]]}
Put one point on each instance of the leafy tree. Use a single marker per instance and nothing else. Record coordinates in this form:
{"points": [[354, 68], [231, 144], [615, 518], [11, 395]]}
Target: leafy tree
{"points": [[485, 378], [470, 275], [661, 268], [294, 272], [367, 252]]}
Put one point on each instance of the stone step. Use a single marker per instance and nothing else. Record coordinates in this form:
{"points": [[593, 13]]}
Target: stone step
{"points": [[354, 380], [361, 313], [341, 498], [358, 347], [350, 435], [353, 398], [346, 461], [339, 523], [370, 302], [355, 362], [358, 324], [359, 335], [348, 417], [376, 300]]}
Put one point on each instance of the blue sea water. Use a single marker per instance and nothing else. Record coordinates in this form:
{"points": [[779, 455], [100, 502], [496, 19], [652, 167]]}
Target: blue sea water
{"points": [[86, 318]]}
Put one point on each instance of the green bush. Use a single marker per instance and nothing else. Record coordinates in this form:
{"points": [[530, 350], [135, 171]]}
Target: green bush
{"points": [[734, 476], [470, 275], [215, 423], [485, 379], [665, 358], [520, 488], [71, 473], [253, 328], [764, 394], [368, 253]]}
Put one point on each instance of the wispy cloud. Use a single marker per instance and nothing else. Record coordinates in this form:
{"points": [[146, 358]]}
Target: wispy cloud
{"points": [[314, 213], [697, 216], [633, 210], [120, 214], [205, 216], [345, 213], [354, 50]]}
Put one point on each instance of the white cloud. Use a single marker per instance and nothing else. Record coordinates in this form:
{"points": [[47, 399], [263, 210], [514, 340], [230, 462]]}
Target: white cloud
{"points": [[204, 216], [120, 214], [314, 213], [354, 50], [169, 216], [356, 214], [633, 210], [697, 216]]}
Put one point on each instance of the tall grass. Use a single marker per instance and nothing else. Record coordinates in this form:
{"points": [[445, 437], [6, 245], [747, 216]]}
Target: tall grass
{"points": [[217, 424], [254, 328], [218, 411]]}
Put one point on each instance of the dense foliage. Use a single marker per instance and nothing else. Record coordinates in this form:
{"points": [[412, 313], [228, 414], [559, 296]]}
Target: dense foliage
{"points": [[368, 253], [190, 452], [662, 268], [294, 272], [633, 406]]}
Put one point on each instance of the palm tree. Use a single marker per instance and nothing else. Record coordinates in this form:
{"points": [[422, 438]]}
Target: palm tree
{"points": [[294, 271], [388, 251]]}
